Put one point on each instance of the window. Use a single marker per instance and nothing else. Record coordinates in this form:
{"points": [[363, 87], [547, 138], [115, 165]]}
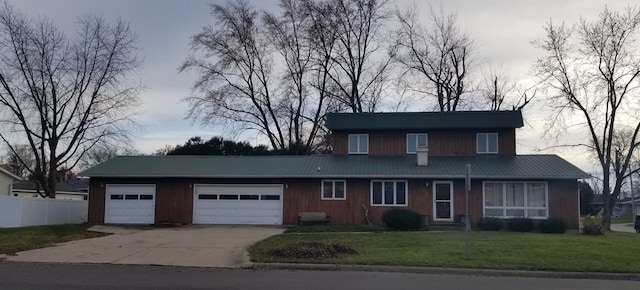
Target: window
{"points": [[207, 196], [146, 197], [515, 199], [269, 197], [487, 143], [388, 193], [333, 189], [358, 144], [415, 140]]}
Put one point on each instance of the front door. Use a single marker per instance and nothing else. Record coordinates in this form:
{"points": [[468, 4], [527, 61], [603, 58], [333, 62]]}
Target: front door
{"points": [[443, 201]]}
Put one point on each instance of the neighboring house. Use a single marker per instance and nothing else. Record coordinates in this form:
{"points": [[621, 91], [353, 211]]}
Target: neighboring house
{"points": [[6, 181], [73, 189], [622, 207], [379, 161]]}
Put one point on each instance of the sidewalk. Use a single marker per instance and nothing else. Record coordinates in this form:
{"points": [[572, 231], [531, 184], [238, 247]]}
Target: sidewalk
{"points": [[625, 228]]}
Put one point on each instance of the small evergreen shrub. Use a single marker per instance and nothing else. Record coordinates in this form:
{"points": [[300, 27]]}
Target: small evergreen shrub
{"points": [[520, 225], [552, 226], [402, 219], [593, 227], [490, 224]]}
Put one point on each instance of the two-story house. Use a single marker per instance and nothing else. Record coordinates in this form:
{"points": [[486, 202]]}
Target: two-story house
{"points": [[379, 161]]}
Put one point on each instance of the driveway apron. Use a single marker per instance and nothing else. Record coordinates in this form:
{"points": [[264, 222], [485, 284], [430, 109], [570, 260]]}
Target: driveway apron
{"points": [[197, 246]]}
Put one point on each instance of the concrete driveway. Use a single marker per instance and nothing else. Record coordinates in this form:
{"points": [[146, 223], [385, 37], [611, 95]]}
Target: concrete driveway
{"points": [[627, 228], [198, 246]]}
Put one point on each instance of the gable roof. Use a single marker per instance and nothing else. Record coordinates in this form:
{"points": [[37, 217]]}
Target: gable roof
{"points": [[332, 166], [73, 185], [8, 173], [425, 120]]}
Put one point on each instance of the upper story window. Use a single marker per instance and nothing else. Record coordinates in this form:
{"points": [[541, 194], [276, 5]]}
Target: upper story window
{"points": [[487, 143], [415, 140], [358, 144]]}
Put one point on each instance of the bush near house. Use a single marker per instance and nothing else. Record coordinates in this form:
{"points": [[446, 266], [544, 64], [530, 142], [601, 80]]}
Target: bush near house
{"points": [[520, 225], [593, 226], [490, 224], [552, 226], [402, 219]]}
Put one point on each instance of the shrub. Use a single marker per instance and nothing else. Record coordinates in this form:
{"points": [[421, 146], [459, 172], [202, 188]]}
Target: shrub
{"points": [[552, 226], [520, 225], [402, 219], [490, 224], [593, 227]]}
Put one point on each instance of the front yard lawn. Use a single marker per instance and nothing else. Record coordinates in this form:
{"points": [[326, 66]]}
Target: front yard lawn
{"points": [[622, 220], [14, 240], [614, 252]]}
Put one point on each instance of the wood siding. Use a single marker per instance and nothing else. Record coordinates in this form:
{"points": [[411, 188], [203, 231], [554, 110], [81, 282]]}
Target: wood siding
{"points": [[174, 199], [564, 202], [440, 142]]}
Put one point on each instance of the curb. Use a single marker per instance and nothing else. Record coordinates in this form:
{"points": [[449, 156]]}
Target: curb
{"points": [[448, 271], [3, 257]]}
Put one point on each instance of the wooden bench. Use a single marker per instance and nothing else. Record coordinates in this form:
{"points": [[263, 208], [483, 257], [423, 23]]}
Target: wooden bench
{"points": [[313, 218]]}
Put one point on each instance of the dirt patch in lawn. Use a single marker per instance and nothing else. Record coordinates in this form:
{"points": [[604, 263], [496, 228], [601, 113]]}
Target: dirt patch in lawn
{"points": [[314, 250]]}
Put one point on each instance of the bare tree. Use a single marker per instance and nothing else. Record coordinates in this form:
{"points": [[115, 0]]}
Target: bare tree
{"points": [[436, 58], [594, 82], [498, 91], [103, 152], [292, 36], [164, 150], [63, 96], [19, 160], [360, 63], [236, 74]]}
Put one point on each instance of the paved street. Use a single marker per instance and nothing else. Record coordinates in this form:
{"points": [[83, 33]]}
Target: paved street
{"points": [[94, 276]]}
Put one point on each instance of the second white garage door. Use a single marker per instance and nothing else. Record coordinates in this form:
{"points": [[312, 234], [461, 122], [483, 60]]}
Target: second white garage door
{"points": [[237, 204]]}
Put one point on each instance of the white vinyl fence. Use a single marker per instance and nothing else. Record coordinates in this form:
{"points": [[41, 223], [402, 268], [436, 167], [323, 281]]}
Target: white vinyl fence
{"points": [[23, 212]]}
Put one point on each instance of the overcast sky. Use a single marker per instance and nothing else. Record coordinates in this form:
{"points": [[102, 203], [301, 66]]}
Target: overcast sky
{"points": [[502, 29]]}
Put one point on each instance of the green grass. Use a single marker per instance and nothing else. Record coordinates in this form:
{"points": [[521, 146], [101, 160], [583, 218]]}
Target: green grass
{"points": [[335, 228], [14, 240], [614, 252], [622, 220]]}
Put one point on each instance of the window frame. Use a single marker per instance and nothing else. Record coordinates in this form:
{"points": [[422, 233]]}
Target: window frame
{"points": [[358, 138], [395, 194], [504, 208], [486, 141], [333, 189], [426, 136]]}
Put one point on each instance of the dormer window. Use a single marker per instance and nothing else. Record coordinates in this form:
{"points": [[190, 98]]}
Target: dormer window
{"points": [[487, 143], [358, 144], [415, 140]]}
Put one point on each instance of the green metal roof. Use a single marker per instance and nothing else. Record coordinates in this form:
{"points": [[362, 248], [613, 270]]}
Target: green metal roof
{"points": [[425, 120], [332, 166]]}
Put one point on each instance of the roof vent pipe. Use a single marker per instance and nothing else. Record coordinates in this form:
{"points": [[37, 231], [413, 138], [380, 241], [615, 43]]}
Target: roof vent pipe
{"points": [[423, 155]]}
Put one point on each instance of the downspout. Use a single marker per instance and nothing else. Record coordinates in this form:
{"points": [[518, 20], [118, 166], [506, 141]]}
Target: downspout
{"points": [[579, 202]]}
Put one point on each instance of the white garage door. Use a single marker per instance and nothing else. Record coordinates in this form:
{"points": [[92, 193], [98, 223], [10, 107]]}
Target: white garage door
{"points": [[237, 204], [130, 204]]}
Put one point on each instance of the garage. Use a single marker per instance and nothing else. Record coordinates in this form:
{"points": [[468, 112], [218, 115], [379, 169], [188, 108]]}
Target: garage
{"points": [[237, 204], [130, 204]]}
